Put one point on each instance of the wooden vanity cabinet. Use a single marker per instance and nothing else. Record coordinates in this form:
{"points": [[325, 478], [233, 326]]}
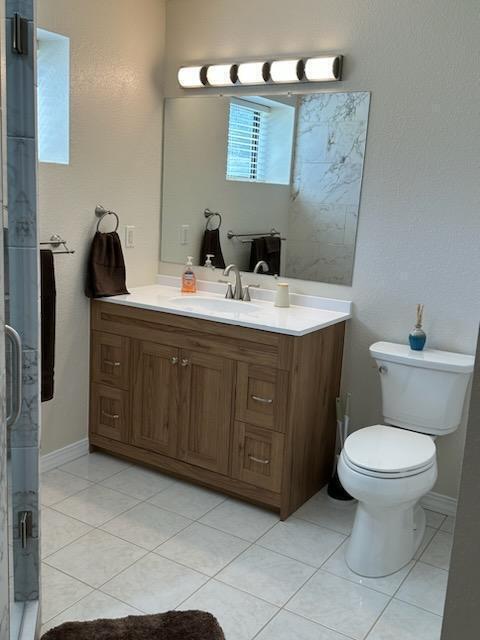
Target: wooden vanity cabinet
{"points": [[247, 412]]}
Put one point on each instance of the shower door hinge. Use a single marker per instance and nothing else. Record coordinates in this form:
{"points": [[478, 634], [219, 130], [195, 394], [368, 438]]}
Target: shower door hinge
{"points": [[20, 35], [25, 527]]}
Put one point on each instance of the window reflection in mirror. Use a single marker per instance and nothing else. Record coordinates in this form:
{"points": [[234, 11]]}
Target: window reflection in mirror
{"points": [[285, 173]]}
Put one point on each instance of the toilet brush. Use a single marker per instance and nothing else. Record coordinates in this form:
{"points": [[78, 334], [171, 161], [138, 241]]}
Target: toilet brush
{"points": [[335, 489]]}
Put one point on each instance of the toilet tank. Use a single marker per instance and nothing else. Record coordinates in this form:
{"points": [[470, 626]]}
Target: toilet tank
{"points": [[422, 391]]}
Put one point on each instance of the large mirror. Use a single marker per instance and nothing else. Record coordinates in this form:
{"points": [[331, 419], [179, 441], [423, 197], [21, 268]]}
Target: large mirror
{"points": [[270, 183]]}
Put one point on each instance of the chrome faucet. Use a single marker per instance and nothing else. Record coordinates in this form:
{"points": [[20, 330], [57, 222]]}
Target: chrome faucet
{"points": [[261, 265], [238, 290]]}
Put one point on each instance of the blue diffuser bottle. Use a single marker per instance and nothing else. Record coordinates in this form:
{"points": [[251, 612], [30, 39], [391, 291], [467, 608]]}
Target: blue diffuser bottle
{"points": [[418, 337]]}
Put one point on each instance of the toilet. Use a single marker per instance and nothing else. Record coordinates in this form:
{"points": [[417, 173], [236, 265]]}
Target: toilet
{"points": [[389, 467]]}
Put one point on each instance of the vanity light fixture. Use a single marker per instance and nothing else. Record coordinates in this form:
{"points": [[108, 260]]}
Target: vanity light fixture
{"points": [[323, 69], [253, 72], [222, 75], [290, 71], [192, 77], [287, 71]]}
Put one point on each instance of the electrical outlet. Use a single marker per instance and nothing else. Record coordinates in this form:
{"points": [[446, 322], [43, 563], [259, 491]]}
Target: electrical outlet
{"points": [[129, 236]]}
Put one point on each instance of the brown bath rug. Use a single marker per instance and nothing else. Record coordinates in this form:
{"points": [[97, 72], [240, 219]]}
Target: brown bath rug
{"points": [[173, 625]]}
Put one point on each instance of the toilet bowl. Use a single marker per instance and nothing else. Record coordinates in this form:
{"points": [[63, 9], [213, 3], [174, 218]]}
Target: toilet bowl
{"points": [[389, 467], [387, 470]]}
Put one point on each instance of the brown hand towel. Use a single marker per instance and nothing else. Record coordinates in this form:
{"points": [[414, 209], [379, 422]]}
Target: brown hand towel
{"points": [[211, 244], [48, 305], [266, 248], [106, 267]]}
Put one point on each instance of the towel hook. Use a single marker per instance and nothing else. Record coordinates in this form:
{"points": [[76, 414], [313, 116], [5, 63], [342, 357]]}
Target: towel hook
{"points": [[101, 212], [209, 215]]}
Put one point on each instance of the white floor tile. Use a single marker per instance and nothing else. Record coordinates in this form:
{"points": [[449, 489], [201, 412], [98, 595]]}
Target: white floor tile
{"points": [[388, 585], [241, 519], [401, 621], [439, 550], [96, 557], [95, 605], [427, 537], [154, 584], [59, 530], [425, 587], [434, 519], [288, 626], [96, 505], [95, 466], [240, 615], [302, 541], [448, 525], [187, 500], [321, 510], [339, 604], [266, 574], [202, 548], [146, 525], [138, 482], [59, 592], [56, 485]]}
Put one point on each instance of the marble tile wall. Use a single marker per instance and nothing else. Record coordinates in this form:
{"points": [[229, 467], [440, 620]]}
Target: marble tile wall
{"points": [[23, 290], [327, 178]]}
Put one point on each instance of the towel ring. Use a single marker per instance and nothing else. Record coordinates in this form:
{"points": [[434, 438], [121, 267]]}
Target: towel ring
{"points": [[101, 212], [209, 215]]}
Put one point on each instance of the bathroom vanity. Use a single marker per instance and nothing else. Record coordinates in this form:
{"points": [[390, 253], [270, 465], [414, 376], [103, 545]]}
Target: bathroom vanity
{"points": [[207, 396]]}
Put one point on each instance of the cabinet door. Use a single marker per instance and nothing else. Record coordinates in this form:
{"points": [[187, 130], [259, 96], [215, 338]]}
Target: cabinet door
{"points": [[155, 397], [205, 410], [109, 412]]}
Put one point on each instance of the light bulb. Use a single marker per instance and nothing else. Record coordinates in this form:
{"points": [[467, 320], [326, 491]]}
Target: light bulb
{"points": [[323, 69], [221, 75], [191, 77], [286, 70], [253, 72]]}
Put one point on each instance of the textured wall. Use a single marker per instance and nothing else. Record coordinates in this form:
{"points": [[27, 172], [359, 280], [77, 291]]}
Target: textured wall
{"points": [[419, 223], [115, 156]]}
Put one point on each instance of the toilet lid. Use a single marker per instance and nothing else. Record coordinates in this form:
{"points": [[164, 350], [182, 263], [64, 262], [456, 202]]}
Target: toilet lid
{"points": [[389, 450]]}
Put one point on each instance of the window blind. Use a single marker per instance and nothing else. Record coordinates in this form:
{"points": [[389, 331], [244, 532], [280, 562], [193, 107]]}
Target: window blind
{"points": [[247, 135]]}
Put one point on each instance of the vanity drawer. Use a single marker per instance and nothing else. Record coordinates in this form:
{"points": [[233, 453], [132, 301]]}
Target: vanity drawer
{"points": [[258, 456], [109, 412], [261, 396], [110, 359]]}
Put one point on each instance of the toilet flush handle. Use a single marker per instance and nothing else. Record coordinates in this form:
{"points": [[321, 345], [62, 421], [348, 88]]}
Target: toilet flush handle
{"points": [[382, 369]]}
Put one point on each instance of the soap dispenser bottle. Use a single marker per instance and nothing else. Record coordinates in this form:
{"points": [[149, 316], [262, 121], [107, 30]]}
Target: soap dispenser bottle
{"points": [[189, 281]]}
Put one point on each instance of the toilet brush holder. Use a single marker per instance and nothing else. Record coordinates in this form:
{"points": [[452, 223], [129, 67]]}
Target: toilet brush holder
{"points": [[335, 489]]}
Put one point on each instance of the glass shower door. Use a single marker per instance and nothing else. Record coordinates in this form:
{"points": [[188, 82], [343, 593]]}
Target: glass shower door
{"points": [[20, 447]]}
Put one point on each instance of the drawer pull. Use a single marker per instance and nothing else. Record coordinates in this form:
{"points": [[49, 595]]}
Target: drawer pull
{"points": [[174, 360], [112, 363], [259, 460], [264, 400], [112, 416], [185, 362]]}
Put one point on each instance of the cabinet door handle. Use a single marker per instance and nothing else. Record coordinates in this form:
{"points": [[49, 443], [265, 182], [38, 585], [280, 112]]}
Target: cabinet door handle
{"points": [[112, 363], [264, 400], [112, 416], [185, 362], [259, 460], [174, 360]]}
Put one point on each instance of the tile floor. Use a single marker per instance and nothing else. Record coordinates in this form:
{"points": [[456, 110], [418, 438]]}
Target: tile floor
{"points": [[119, 539]]}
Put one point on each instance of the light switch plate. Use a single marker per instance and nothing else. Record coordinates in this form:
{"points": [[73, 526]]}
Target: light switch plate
{"points": [[129, 236]]}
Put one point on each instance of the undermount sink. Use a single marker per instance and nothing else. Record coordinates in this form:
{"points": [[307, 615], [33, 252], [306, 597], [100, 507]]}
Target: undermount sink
{"points": [[218, 305]]}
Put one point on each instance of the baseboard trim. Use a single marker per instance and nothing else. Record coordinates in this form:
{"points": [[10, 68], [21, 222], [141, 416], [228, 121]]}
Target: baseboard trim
{"points": [[440, 503], [62, 456]]}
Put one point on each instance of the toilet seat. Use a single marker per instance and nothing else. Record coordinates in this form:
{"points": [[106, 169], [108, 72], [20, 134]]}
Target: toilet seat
{"points": [[387, 452]]}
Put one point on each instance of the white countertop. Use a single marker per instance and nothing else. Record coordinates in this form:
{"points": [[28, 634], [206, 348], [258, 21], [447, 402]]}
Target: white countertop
{"points": [[305, 315]]}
